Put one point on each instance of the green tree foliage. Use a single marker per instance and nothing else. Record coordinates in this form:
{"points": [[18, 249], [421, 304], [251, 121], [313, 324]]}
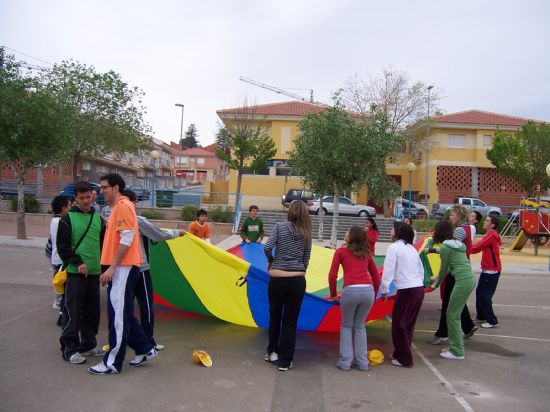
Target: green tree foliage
{"points": [[34, 126], [245, 145], [110, 111], [190, 139], [335, 152], [523, 157]]}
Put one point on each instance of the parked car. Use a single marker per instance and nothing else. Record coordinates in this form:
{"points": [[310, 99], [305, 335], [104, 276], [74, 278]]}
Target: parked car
{"points": [[142, 193], [470, 203], [418, 210], [296, 194], [69, 191], [345, 207]]}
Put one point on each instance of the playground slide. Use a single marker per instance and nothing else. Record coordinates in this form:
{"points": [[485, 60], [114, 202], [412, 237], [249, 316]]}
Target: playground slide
{"points": [[519, 242]]}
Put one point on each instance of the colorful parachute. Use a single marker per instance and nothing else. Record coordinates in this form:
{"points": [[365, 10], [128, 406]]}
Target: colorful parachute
{"points": [[193, 275]]}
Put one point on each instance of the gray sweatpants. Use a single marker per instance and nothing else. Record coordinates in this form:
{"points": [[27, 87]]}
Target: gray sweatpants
{"points": [[355, 304]]}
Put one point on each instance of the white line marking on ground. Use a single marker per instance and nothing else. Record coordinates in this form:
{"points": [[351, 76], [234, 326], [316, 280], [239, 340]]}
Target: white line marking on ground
{"points": [[444, 381], [494, 336]]}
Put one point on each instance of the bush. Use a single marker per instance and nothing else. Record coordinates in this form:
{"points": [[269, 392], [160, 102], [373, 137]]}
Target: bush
{"points": [[152, 214], [424, 225], [220, 214], [31, 204], [189, 213]]}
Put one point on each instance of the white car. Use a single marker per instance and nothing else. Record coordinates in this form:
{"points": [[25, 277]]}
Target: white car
{"points": [[345, 207]]}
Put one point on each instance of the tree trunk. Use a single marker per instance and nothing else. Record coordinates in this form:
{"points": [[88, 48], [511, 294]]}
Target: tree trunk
{"points": [[76, 163], [20, 176], [386, 206], [334, 231], [321, 215], [237, 201]]}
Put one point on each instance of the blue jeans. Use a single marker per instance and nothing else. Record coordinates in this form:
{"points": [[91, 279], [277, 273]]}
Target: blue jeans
{"points": [[486, 288], [355, 304]]}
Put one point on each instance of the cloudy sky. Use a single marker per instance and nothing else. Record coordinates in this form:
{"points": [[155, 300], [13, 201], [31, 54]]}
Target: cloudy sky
{"points": [[486, 54]]}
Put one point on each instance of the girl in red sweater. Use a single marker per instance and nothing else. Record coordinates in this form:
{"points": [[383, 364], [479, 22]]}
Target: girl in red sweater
{"points": [[361, 282], [371, 230], [489, 246]]}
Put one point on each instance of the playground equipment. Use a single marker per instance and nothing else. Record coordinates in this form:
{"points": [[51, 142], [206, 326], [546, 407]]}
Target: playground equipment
{"points": [[532, 225]]}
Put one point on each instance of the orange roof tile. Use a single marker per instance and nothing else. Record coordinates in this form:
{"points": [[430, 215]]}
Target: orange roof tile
{"points": [[212, 147], [198, 151], [480, 117], [291, 108]]}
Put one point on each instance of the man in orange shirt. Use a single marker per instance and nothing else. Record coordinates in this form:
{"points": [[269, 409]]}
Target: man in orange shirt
{"points": [[199, 227], [121, 254]]}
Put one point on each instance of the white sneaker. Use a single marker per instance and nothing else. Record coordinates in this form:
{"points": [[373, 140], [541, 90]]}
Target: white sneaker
{"points": [[158, 346], [285, 368], [437, 340], [487, 325], [77, 358], [395, 362], [271, 357], [449, 355], [93, 352], [57, 302], [101, 369], [140, 359]]}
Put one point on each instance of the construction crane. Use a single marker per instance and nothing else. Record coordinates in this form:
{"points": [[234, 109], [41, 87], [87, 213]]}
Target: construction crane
{"points": [[279, 90]]}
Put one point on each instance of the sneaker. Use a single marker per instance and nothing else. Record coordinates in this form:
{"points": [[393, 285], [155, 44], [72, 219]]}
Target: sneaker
{"points": [[57, 302], [77, 358], [487, 325], [158, 347], [479, 321], [101, 369], [285, 368], [437, 340], [140, 359], [445, 349], [471, 333], [449, 355], [93, 352], [395, 362], [271, 357]]}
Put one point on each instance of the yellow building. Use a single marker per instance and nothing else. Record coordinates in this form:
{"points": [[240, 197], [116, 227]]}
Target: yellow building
{"points": [[457, 164]]}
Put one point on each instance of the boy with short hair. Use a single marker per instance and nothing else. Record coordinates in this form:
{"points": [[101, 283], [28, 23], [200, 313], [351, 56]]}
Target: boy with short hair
{"points": [[473, 218], [252, 229], [199, 227]]}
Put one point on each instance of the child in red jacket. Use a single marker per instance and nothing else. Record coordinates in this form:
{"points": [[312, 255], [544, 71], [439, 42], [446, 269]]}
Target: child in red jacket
{"points": [[491, 266]]}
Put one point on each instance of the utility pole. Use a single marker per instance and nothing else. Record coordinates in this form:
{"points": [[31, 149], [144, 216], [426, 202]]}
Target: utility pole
{"points": [[181, 137], [427, 150]]}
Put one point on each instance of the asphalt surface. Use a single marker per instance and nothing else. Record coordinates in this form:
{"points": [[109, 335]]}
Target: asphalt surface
{"points": [[506, 369]]}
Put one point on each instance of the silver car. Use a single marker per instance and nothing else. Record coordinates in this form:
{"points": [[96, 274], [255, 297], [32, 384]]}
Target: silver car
{"points": [[345, 207]]}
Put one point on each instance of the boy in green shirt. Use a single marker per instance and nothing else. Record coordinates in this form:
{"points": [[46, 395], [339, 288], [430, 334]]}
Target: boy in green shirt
{"points": [[252, 230]]}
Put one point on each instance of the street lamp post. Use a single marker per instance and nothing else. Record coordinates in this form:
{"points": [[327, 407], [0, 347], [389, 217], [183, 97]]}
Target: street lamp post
{"points": [[154, 155], [181, 135], [411, 167], [427, 149]]}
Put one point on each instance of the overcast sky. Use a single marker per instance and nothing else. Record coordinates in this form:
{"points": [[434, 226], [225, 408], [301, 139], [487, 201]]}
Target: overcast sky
{"points": [[487, 54]]}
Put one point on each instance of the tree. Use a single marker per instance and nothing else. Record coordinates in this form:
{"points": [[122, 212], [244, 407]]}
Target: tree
{"points": [[523, 157], [34, 126], [244, 144], [110, 111], [392, 93], [335, 151], [190, 139]]}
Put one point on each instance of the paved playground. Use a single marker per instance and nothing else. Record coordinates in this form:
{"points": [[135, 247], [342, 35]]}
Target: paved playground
{"points": [[506, 369]]}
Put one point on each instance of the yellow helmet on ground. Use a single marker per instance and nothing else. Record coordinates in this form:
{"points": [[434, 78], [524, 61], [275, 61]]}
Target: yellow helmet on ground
{"points": [[202, 357], [375, 357]]}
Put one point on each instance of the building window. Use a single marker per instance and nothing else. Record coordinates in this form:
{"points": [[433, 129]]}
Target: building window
{"points": [[285, 139], [200, 160], [184, 159], [457, 141], [192, 160], [86, 166], [487, 140]]}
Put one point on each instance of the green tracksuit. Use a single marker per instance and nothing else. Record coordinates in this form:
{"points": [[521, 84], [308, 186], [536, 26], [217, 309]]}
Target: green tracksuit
{"points": [[454, 260]]}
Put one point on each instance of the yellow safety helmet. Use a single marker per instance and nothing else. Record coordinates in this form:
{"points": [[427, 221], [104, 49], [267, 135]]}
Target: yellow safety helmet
{"points": [[202, 357], [375, 357]]}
